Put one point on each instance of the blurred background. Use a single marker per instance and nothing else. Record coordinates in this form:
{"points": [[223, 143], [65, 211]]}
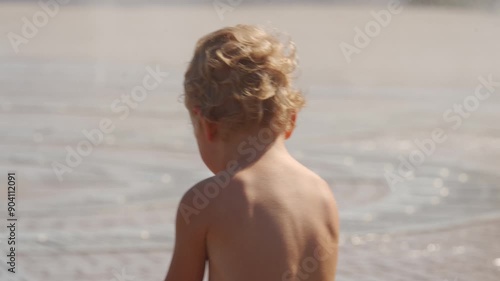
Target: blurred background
{"points": [[102, 162]]}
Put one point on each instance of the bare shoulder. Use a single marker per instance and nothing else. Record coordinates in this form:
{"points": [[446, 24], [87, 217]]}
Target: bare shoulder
{"points": [[197, 203], [321, 186], [329, 206], [324, 188], [201, 201], [325, 197]]}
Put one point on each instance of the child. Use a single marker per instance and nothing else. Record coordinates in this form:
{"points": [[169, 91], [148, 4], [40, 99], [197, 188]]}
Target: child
{"points": [[263, 216]]}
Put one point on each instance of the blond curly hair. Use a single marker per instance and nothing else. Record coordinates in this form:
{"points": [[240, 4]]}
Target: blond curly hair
{"points": [[241, 77]]}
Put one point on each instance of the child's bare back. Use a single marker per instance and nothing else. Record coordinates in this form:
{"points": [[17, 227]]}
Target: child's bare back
{"points": [[263, 216], [275, 221]]}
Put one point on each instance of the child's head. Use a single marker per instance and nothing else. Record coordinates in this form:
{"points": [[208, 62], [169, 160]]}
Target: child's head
{"points": [[240, 78], [240, 81]]}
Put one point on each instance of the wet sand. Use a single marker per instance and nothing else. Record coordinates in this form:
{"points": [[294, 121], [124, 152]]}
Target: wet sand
{"points": [[115, 210]]}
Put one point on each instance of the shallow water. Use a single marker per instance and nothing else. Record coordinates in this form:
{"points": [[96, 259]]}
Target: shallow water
{"points": [[117, 206]]}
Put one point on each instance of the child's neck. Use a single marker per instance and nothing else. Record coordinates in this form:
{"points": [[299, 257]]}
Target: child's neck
{"points": [[245, 150]]}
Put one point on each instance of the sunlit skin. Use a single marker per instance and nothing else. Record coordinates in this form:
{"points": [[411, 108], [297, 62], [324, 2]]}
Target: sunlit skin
{"points": [[274, 220]]}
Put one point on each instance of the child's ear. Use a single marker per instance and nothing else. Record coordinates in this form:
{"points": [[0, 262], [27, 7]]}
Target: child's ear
{"points": [[196, 111], [293, 118], [210, 129]]}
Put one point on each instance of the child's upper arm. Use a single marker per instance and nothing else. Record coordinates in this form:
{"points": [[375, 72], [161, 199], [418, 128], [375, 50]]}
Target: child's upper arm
{"points": [[188, 260]]}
